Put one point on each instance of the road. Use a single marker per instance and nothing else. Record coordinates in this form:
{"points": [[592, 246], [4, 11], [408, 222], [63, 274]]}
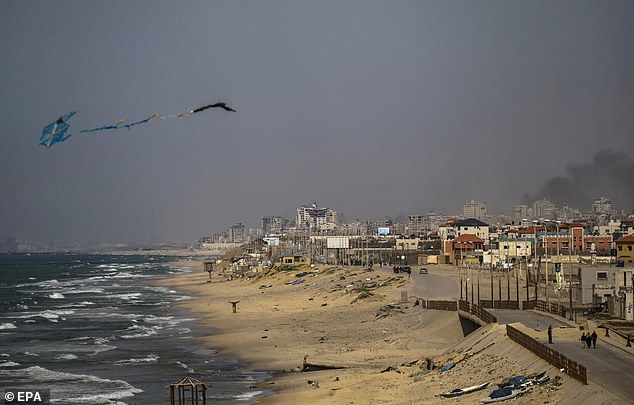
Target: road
{"points": [[433, 285], [611, 368], [531, 319]]}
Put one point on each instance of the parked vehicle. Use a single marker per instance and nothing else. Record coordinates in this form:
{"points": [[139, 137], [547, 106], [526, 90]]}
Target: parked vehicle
{"points": [[423, 270]]}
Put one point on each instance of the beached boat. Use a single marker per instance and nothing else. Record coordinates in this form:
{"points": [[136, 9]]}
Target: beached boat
{"points": [[520, 380], [462, 391], [503, 394]]}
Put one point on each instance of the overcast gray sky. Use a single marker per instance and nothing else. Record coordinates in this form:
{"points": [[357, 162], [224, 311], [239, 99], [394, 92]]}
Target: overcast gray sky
{"points": [[371, 108]]}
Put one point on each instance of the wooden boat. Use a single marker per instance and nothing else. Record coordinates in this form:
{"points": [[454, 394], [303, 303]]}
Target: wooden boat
{"points": [[462, 391]]}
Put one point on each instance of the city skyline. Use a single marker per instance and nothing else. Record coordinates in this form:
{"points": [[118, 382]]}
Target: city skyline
{"points": [[371, 108]]}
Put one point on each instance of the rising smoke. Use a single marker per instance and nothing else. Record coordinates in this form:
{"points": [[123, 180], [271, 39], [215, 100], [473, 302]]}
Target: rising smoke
{"points": [[609, 174]]}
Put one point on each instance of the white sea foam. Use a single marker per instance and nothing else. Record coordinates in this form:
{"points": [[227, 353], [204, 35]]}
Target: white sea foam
{"points": [[81, 338], [152, 358], [128, 296], [66, 356], [185, 366], [142, 331], [80, 290], [82, 304], [73, 388], [247, 396], [53, 315], [102, 348], [9, 364], [7, 326], [160, 289], [56, 296]]}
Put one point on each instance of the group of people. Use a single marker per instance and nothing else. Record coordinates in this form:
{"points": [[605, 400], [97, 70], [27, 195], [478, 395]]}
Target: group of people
{"points": [[589, 339]]}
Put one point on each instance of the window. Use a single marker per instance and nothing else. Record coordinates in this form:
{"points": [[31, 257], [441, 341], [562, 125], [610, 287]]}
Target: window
{"points": [[620, 248], [629, 248], [602, 275]]}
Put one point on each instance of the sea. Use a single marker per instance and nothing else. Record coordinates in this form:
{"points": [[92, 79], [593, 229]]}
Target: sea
{"points": [[97, 329]]}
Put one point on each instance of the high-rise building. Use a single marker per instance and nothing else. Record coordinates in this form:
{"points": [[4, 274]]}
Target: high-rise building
{"points": [[602, 205], [544, 208], [416, 224], [273, 224], [477, 210], [236, 233], [315, 219], [521, 212]]}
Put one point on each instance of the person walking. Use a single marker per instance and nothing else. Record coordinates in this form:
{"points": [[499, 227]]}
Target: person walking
{"points": [[583, 339], [589, 340], [550, 334], [594, 339]]}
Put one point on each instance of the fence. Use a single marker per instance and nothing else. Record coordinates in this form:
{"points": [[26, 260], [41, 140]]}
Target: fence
{"points": [[441, 305], [500, 304], [572, 368], [553, 308], [477, 311]]}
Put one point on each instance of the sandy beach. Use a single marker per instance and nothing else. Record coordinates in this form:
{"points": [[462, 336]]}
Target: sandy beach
{"points": [[380, 349]]}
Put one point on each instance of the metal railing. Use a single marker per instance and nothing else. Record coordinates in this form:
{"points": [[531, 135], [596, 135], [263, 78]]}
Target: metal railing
{"points": [[570, 367]]}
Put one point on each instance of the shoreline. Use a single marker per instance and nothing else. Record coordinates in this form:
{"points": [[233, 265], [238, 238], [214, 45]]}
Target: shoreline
{"points": [[352, 319]]}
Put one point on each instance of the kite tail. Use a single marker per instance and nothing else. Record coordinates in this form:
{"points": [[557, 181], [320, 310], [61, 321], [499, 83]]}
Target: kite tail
{"points": [[120, 124]]}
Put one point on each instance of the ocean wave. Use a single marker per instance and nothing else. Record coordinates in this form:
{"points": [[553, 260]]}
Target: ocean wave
{"points": [[247, 396], [52, 315], [84, 291], [125, 274], [185, 366], [160, 289], [66, 356], [7, 326], [102, 348], [142, 331], [152, 358], [127, 297], [73, 388], [80, 338], [9, 364], [56, 296], [82, 304]]}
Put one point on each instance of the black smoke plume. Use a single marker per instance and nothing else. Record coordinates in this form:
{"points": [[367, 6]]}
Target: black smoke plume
{"points": [[609, 174]]}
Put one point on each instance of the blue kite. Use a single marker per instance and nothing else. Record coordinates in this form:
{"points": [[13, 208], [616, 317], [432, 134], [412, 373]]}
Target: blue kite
{"points": [[57, 131]]}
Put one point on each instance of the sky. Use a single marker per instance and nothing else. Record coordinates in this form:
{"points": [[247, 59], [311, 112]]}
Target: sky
{"points": [[370, 108]]}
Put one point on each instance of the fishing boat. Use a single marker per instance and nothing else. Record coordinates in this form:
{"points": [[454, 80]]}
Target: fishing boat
{"points": [[503, 394], [462, 391]]}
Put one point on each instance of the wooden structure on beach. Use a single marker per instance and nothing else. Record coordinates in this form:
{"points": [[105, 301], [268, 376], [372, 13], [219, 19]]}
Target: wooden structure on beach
{"points": [[188, 390]]}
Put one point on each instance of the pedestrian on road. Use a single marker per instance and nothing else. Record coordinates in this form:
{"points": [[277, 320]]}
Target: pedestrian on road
{"points": [[589, 340], [594, 339], [550, 334], [583, 339]]}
